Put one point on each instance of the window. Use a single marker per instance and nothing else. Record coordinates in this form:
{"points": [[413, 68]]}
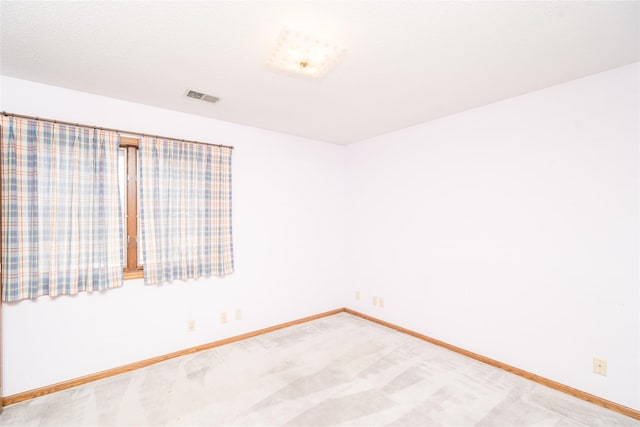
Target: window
{"points": [[82, 206], [128, 160]]}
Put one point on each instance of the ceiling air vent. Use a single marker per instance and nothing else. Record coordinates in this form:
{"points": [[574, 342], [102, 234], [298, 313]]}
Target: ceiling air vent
{"points": [[202, 96]]}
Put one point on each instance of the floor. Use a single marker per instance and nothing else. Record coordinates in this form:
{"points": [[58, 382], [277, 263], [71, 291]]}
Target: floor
{"points": [[338, 370]]}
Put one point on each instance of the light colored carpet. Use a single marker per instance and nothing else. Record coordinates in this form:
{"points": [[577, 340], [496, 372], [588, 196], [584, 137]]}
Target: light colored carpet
{"points": [[339, 370]]}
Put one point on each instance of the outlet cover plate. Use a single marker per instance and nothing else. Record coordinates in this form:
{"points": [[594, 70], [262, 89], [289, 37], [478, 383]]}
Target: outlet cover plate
{"points": [[600, 366]]}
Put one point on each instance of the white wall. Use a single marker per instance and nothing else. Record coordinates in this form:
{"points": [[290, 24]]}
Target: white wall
{"points": [[288, 236], [511, 230]]}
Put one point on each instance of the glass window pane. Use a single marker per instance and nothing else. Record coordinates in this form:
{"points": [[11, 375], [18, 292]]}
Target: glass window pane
{"points": [[122, 178]]}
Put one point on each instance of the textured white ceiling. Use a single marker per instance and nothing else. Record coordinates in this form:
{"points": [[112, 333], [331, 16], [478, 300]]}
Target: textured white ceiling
{"points": [[407, 62]]}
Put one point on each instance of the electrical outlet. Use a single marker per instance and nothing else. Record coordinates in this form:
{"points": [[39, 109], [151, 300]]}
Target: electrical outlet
{"points": [[380, 302], [374, 300], [238, 314], [600, 366], [191, 325], [357, 295], [223, 317]]}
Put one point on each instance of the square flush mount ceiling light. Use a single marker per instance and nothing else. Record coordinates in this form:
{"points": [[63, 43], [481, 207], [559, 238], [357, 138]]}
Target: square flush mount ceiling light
{"points": [[303, 54]]}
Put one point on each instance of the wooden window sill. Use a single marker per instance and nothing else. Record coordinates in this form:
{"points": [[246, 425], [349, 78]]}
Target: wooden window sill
{"points": [[130, 275]]}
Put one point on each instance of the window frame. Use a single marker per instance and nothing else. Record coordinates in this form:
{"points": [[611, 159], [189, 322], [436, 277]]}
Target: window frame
{"points": [[132, 270]]}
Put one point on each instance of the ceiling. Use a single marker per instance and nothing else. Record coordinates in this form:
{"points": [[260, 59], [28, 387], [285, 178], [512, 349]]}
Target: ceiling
{"points": [[407, 62]]}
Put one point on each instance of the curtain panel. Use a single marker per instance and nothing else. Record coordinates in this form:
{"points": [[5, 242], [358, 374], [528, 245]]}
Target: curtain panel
{"points": [[61, 224], [185, 208]]}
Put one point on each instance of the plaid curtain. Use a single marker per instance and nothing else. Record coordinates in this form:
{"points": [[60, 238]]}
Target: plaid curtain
{"points": [[185, 208], [61, 226]]}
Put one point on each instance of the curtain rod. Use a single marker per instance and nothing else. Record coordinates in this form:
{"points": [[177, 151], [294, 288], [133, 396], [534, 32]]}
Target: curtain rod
{"points": [[4, 113]]}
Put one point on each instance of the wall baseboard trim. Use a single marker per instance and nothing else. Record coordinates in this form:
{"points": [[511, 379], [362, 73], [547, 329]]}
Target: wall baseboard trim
{"points": [[30, 394], [41, 391], [624, 410]]}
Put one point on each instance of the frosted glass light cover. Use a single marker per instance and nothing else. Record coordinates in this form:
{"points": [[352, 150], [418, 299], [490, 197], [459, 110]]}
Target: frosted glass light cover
{"points": [[303, 54]]}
